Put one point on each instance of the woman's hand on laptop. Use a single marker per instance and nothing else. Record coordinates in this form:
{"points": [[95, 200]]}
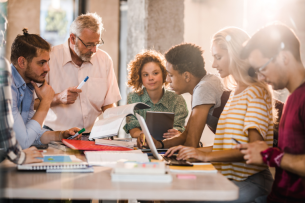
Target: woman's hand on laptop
{"points": [[171, 133], [186, 153]]}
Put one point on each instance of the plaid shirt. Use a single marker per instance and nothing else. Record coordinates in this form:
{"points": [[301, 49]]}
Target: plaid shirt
{"points": [[8, 142]]}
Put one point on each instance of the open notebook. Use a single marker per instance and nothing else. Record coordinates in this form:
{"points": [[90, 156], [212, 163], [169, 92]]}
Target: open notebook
{"points": [[55, 162]]}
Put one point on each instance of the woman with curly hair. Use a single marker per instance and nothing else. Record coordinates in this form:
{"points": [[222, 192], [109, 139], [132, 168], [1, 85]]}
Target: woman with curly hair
{"points": [[147, 78]]}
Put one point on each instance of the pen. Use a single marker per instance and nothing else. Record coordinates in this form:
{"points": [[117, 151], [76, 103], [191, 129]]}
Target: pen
{"points": [[82, 83], [235, 140], [79, 132]]}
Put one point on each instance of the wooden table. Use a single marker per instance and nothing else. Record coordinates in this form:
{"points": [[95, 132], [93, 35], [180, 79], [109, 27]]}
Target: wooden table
{"points": [[98, 185]]}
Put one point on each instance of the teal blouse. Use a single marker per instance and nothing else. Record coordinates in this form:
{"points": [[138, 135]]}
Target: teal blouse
{"points": [[170, 102]]}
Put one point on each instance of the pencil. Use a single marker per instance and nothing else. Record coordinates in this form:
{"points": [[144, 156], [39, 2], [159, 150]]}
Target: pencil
{"points": [[143, 140]]}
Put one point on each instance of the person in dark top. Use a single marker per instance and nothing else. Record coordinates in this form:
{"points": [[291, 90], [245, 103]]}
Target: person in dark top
{"points": [[274, 55]]}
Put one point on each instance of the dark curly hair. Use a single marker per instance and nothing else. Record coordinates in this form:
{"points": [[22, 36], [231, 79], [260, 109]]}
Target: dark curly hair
{"points": [[187, 57], [136, 65]]}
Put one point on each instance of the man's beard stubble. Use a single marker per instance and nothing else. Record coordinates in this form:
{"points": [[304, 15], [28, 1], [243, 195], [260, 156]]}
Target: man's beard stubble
{"points": [[29, 74]]}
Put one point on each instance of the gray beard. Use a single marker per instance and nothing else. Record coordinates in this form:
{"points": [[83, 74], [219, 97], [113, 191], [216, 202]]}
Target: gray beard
{"points": [[81, 56]]}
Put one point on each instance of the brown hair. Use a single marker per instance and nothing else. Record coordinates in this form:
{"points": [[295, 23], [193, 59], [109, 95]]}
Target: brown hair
{"points": [[271, 39], [27, 45], [136, 65]]}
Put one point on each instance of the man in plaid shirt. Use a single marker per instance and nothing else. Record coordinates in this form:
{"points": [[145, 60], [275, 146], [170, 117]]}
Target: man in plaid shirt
{"points": [[9, 146]]}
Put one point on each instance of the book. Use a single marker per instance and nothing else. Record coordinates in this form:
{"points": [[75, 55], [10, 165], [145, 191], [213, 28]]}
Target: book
{"points": [[104, 142], [55, 162], [104, 158], [112, 120], [201, 168], [134, 167], [91, 146], [159, 123], [59, 145]]}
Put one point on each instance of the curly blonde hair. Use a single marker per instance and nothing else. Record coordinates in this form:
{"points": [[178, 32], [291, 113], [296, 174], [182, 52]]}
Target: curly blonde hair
{"points": [[135, 67]]}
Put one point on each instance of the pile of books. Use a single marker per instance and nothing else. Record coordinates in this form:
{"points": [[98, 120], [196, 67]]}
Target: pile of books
{"points": [[132, 171]]}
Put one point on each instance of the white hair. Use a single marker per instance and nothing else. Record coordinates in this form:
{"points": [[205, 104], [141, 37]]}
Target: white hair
{"points": [[91, 21]]}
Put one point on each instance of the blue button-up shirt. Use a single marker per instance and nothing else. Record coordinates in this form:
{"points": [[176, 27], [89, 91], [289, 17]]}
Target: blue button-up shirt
{"points": [[28, 131]]}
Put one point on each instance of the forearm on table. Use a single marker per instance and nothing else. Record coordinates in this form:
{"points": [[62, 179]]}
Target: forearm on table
{"points": [[41, 112], [135, 132], [206, 149], [49, 136], [231, 155], [294, 164]]}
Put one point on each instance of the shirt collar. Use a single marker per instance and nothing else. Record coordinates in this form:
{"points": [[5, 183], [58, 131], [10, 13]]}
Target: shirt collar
{"points": [[164, 99], [18, 80]]}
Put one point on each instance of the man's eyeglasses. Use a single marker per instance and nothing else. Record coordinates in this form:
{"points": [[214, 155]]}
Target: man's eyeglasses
{"points": [[90, 46], [252, 72]]}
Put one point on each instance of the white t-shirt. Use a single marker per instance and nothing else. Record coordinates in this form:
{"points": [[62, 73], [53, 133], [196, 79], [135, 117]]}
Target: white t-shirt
{"points": [[208, 91]]}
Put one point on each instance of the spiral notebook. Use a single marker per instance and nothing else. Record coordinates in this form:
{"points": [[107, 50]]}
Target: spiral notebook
{"points": [[56, 162]]}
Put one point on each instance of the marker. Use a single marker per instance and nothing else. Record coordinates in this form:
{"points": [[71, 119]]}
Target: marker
{"points": [[79, 132], [82, 83]]}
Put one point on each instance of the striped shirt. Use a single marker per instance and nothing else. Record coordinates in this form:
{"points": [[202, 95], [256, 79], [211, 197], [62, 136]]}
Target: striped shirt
{"points": [[250, 109]]}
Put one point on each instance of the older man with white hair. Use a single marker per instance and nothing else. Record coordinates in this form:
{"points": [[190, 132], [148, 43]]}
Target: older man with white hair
{"points": [[70, 64]]}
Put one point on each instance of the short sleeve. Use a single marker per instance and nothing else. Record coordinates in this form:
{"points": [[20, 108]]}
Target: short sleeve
{"points": [[257, 116], [205, 93]]}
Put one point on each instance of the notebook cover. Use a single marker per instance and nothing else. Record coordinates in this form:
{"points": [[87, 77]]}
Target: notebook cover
{"points": [[91, 146], [159, 123], [196, 168]]}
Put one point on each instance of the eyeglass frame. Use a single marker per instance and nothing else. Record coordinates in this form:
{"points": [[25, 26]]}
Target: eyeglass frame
{"points": [[253, 72], [100, 43], [263, 67]]}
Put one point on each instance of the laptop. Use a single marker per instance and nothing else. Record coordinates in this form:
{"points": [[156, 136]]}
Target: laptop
{"points": [[170, 160]]}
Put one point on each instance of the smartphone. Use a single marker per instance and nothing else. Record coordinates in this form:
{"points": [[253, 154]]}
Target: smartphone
{"points": [[236, 141], [43, 146]]}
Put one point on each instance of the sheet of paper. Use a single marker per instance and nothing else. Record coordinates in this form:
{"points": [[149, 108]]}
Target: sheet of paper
{"points": [[107, 158]]}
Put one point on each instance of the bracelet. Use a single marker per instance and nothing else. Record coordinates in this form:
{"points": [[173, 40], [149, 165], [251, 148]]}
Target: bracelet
{"points": [[161, 143], [272, 157]]}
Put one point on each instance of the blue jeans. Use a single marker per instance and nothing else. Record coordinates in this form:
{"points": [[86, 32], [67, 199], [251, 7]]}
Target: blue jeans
{"points": [[254, 189]]}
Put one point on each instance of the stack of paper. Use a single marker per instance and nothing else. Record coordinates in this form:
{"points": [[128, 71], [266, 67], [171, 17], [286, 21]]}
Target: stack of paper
{"points": [[114, 143]]}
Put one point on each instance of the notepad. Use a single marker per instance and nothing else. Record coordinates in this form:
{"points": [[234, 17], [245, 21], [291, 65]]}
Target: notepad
{"points": [[202, 168], [55, 162]]}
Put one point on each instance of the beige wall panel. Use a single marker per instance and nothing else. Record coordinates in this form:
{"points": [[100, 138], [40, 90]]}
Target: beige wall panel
{"points": [[109, 10], [20, 14]]}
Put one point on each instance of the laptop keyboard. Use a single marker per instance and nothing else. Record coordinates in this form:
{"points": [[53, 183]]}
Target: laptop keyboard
{"points": [[174, 162]]}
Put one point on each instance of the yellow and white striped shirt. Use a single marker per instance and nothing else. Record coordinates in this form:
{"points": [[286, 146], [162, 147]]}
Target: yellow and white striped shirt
{"points": [[251, 108]]}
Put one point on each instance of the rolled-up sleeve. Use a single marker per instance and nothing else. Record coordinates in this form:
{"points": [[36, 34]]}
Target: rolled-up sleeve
{"points": [[28, 133]]}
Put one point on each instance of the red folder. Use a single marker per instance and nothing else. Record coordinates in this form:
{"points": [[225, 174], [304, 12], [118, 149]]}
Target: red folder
{"points": [[91, 146]]}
